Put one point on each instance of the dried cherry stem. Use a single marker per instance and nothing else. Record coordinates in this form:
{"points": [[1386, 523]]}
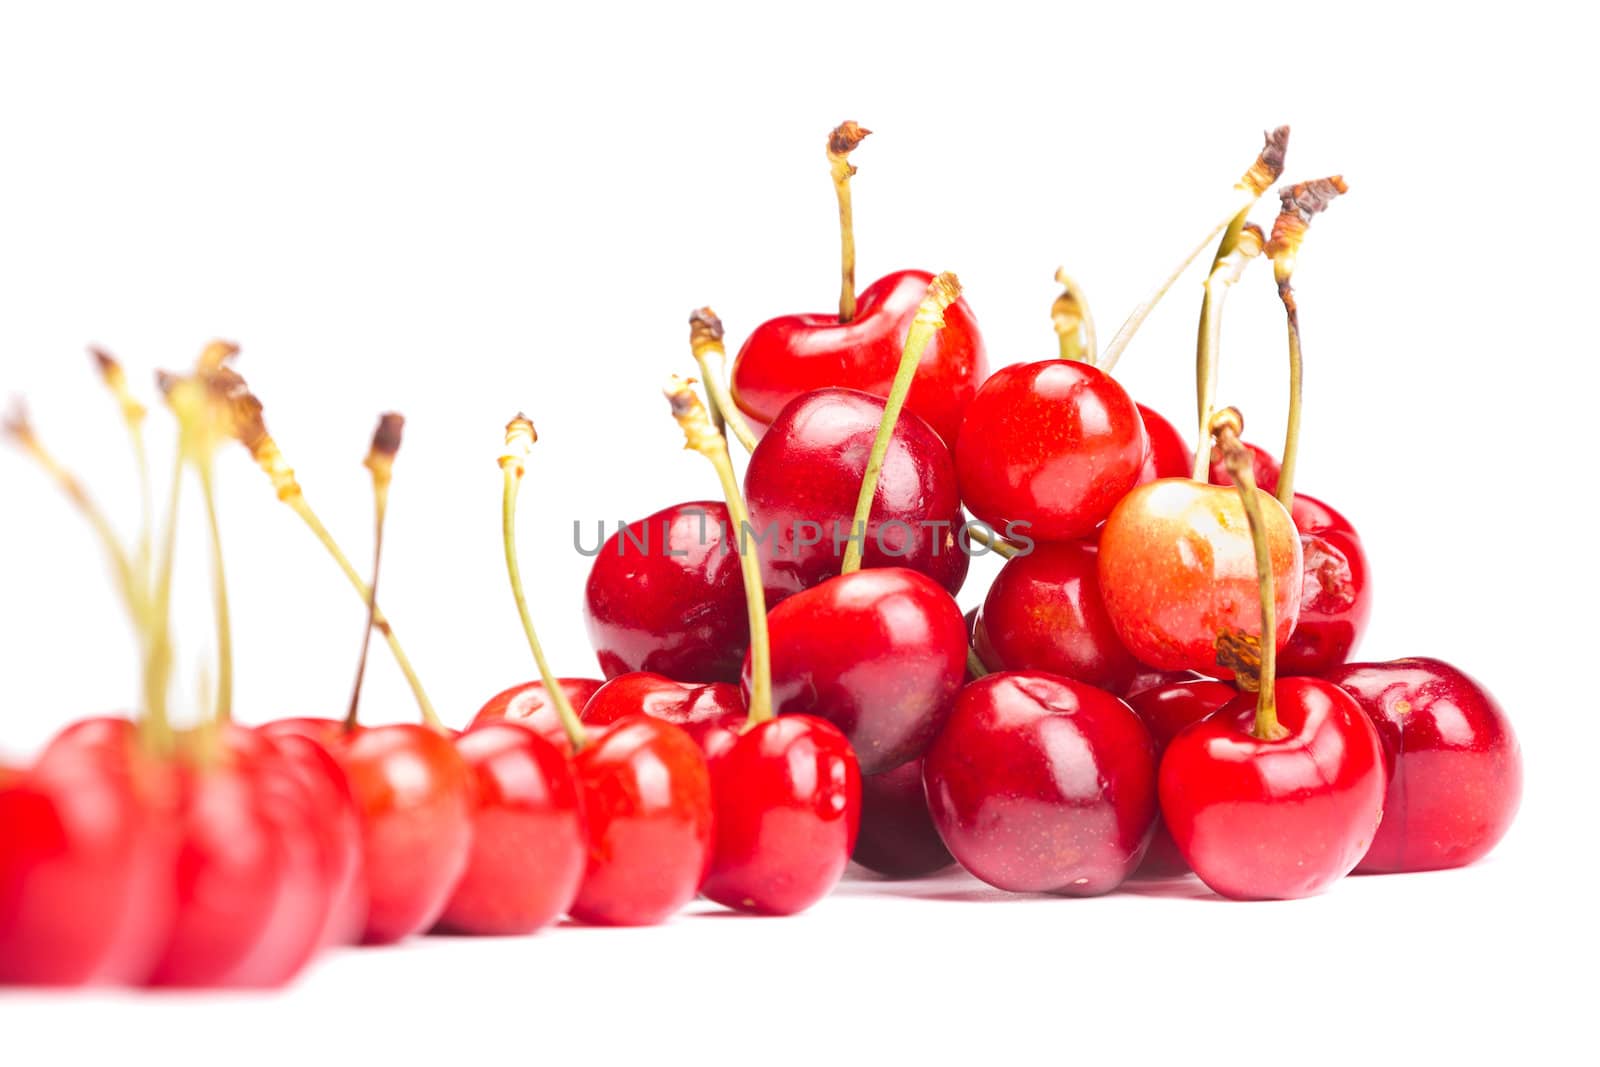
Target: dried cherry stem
{"points": [[1230, 267], [251, 431], [380, 461], [700, 436], [992, 541], [17, 427], [1301, 203], [1073, 322], [1246, 191], [705, 341], [520, 436], [133, 416], [1225, 429], [943, 291], [841, 142]]}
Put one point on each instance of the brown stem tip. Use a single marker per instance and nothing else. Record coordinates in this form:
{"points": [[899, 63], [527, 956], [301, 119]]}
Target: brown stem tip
{"points": [[944, 290], [705, 330], [844, 139], [1301, 203], [1240, 653], [385, 444], [1268, 166], [520, 436], [17, 425], [698, 433]]}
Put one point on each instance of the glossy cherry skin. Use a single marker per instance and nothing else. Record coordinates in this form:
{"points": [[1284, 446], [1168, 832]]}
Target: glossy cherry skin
{"points": [[646, 796], [338, 828], [529, 705], [1178, 568], [794, 354], [1040, 784], [85, 864], [529, 849], [415, 793], [1053, 444], [712, 714], [1265, 465], [1167, 710], [1452, 762], [1336, 591], [1044, 612], [897, 837], [803, 480], [881, 654], [664, 595], [1167, 455], [1280, 819], [788, 805]]}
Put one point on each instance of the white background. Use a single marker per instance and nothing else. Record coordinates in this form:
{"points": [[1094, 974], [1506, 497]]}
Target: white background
{"points": [[461, 211]]}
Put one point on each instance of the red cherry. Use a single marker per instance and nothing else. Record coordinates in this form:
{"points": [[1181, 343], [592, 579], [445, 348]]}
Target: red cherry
{"points": [[712, 714], [338, 826], [1177, 568], [646, 796], [788, 805], [1054, 444], [804, 478], [85, 861], [897, 838], [415, 796], [795, 354], [1042, 784], [664, 595], [1167, 454], [1453, 765], [1264, 463], [1149, 678], [529, 704], [879, 653], [1167, 710], [528, 844], [1275, 819], [1336, 592], [1044, 612]]}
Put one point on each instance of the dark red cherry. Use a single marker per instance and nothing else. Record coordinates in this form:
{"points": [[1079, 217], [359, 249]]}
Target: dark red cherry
{"points": [[897, 837], [1053, 444], [646, 797], [1454, 768], [1044, 612], [1264, 463], [1042, 784], [1167, 710], [530, 705], [664, 595], [805, 475], [1335, 594], [879, 653], [1275, 819], [1167, 454], [794, 354], [528, 844], [788, 804]]}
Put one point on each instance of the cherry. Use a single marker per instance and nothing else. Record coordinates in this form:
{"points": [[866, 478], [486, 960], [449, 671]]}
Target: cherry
{"points": [[1166, 711], [643, 785], [1042, 784], [1166, 455], [788, 791], [1044, 612], [529, 848], [663, 595], [860, 348], [1336, 591], [710, 713], [530, 705], [1277, 794], [1452, 763], [1053, 444], [1267, 468], [804, 478], [897, 838]]}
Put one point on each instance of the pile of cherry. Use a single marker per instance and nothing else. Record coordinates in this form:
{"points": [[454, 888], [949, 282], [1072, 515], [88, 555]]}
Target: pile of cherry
{"points": [[788, 681]]}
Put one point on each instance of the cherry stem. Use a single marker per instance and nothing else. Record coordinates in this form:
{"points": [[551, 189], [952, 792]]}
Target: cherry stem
{"points": [[520, 436], [379, 461], [699, 435], [223, 711], [1232, 259], [992, 541], [841, 142], [1073, 322], [158, 625], [705, 341], [1301, 202], [1225, 429], [133, 416], [1246, 191], [943, 291]]}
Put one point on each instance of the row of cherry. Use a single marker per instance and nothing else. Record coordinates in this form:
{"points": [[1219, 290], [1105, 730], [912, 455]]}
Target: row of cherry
{"points": [[221, 855]]}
